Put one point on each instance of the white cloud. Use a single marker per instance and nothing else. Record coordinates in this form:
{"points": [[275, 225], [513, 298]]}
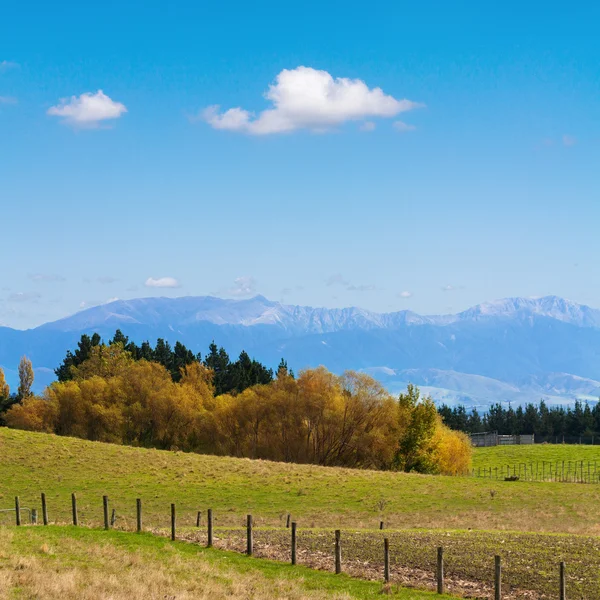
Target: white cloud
{"points": [[569, 140], [367, 126], [91, 303], [405, 295], [8, 100], [87, 110], [452, 288], [24, 297], [403, 127], [243, 286], [360, 288], [162, 282], [338, 279], [305, 98]]}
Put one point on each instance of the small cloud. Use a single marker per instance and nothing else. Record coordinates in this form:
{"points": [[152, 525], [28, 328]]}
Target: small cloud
{"points": [[569, 140], [243, 286], [91, 303], [452, 288], [24, 297], [361, 288], [306, 98], [405, 295], [46, 278], [8, 100], [368, 126], [106, 280], [87, 110], [336, 279], [403, 127], [162, 282], [6, 65], [286, 291]]}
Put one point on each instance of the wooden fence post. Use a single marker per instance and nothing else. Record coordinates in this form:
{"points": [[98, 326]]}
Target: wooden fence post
{"points": [[138, 507], [381, 525], [338, 552], [386, 560], [294, 542], [34, 516], [105, 507], [198, 518], [497, 578], [44, 510], [209, 522], [172, 522], [113, 517], [74, 509], [563, 583], [17, 511], [288, 521], [249, 539], [440, 570]]}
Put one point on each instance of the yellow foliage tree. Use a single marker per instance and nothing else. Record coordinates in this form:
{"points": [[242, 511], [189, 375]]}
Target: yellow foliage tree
{"points": [[4, 389], [318, 418], [33, 414], [453, 451], [26, 377]]}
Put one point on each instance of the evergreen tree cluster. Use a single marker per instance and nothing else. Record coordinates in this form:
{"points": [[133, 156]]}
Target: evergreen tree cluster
{"points": [[545, 422], [229, 376], [236, 376]]}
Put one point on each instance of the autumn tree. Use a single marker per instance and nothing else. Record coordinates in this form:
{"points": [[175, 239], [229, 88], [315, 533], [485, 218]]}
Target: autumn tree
{"points": [[6, 401], [319, 418], [26, 377], [4, 389], [418, 420]]}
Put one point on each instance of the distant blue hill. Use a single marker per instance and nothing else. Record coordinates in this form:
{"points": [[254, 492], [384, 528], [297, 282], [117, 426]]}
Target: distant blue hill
{"points": [[512, 350]]}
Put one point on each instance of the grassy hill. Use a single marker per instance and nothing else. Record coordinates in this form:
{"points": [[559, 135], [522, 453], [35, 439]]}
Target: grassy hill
{"points": [[316, 496], [472, 518]]}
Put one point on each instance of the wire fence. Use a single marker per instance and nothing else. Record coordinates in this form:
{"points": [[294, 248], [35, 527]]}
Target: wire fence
{"points": [[388, 546], [564, 471]]}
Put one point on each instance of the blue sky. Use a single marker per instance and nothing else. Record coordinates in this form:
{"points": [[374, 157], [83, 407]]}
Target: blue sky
{"points": [[485, 187]]}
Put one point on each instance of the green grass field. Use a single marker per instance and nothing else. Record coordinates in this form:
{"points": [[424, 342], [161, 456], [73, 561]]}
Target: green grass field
{"points": [[317, 496], [501, 456], [472, 518], [80, 564], [541, 462]]}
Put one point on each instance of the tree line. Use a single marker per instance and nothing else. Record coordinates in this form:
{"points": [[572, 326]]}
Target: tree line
{"points": [[109, 392], [545, 422], [229, 376]]}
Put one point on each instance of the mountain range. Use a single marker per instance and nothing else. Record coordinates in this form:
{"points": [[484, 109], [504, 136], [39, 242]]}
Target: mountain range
{"points": [[511, 350]]}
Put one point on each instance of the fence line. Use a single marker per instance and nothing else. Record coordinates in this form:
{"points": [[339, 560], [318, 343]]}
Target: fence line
{"points": [[439, 571], [565, 471]]}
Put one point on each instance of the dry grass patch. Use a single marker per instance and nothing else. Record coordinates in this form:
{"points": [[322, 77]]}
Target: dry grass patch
{"points": [[81, 564]]}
